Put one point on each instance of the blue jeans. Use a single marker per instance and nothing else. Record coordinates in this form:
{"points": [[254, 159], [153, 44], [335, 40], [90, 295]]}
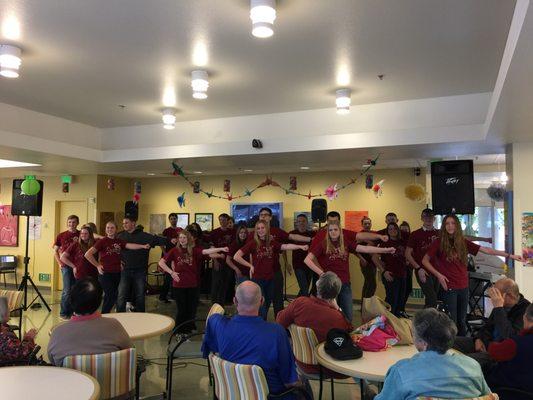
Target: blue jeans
{"points": [[68, 281], [109, 282], [238, 281], [395, 294], [132, 279], [304, 277], [267, 291], [457, 302], [345, 300]]}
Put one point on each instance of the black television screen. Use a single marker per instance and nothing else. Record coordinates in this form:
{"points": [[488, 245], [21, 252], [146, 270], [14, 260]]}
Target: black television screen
{"points": [[249, 213]]}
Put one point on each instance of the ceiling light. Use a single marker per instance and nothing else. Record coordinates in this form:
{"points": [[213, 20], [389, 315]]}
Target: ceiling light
{"points": [[504, 178], [9, 61], [11, 28], [343, 101], [169, 96], [305, 167], [262, 14], [248, 170], [169, 118], [198, 172], [15, 164], [199, 84], [200, 57], [150, 174]]}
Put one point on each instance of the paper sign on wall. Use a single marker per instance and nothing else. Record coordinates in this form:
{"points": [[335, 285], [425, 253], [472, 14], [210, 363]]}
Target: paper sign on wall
{"points": [[352, 220]]}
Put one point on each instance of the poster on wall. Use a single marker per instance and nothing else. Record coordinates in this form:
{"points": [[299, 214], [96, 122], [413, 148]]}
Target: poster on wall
{"points": [[352, 220], [309, 219], [35, 227], [183, 220], [9, 227], [157, 223], [527, 238], [205, 220]]}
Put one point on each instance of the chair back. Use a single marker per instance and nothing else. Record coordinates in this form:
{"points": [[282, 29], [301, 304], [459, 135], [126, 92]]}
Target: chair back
{"points": [[215, 309], [115, 372], [238, 381], [14, 300], [490, 396], [304, 343]]}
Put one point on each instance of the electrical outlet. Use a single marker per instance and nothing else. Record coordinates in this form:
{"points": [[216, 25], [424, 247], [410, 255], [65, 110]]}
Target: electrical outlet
{"points": [[44, 277]]}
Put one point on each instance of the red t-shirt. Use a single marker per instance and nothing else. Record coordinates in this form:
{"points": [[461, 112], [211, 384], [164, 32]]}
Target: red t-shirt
{"points": [[109, 253], [83, 267], [368, 256], [349, 236], [420, 241], [221, 237], [171, 233], [337, 261], [234, 248], [65, 239], [264, 258], [394, 263], [455, 270], [298, 256], [186, 265]]}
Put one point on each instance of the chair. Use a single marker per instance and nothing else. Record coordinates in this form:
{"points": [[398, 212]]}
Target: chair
{"points": [[490, 396], [153, 271], [304, 343], [32, 359], [240, 381], [115, 372], [14, 302], [510, 393], [185, 349]]}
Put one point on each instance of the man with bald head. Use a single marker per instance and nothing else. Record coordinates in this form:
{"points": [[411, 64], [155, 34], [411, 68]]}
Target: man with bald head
{"points": [[248, 339], [505, 320]]}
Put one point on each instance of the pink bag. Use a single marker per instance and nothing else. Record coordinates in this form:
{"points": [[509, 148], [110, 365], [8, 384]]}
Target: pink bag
{"points": [[377, 335]]}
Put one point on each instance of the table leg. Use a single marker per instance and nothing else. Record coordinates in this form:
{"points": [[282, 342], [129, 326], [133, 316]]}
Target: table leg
{"points": [[362, 387]]}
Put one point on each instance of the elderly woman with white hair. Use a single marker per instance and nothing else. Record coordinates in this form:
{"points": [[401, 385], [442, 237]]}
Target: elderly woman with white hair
{"points": [[11, 347], [451, 375]]}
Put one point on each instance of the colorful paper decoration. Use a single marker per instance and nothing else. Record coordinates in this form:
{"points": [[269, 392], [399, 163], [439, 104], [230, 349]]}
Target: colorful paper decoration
{"points": [[378, 188], [196, 187], [65, 187], [136, 191], [415, 192], [293, 183], [30, 186], [110, 184], [181, 200], [227, 185], [369, 181], [332, 191]]}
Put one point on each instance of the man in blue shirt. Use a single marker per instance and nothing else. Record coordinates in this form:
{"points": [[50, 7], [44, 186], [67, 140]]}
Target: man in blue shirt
{"points": [[248, 339]]}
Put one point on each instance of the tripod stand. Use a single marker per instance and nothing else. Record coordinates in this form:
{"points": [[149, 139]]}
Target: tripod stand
{"points": [[27, 278]]}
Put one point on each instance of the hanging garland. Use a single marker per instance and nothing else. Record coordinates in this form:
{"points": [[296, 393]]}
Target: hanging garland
{"points": [[331, 191]]}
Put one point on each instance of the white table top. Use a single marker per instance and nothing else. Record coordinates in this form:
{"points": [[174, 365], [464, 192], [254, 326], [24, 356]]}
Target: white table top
{"points": [[143, 325], [47, 383], [372, 366]]}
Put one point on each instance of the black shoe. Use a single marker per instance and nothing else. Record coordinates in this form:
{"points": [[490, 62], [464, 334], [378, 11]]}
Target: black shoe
{"points": [[164, 300], [403, 314]]}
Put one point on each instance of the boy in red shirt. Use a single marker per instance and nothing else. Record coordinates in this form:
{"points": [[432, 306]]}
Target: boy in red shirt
{"points": [[304, 275]]}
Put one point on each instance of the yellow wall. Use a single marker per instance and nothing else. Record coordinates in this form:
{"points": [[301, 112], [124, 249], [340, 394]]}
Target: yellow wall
{"points": [[83, 189], [159, 197]]}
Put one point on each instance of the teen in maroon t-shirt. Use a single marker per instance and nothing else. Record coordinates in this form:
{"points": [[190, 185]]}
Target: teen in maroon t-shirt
{"points": [[393, 270], [368, 269], [304, 275], [333, 255], [74, 255], [108, 265], [242, 273], [183, 264], [446, 258], [264, 252]]}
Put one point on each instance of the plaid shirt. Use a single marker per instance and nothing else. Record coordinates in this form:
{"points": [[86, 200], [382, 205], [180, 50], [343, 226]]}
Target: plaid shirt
{"points": [[11, 347]]}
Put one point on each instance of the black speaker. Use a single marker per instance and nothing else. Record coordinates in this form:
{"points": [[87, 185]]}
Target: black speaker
{"points": [[319, 210], [452, 187], [131, 210], [22, 204]]}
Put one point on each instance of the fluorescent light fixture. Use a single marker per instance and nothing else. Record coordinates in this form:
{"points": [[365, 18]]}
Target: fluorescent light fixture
{"points": [[343, 101], [199, 84], [16, 164], [262, 14], [10, 61], [305, 167], [150, 174], [198, 172], [248, 170]]}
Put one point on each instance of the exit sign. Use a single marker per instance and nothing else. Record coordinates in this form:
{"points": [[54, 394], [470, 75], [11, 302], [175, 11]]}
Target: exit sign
{"points": [[44, 277]]}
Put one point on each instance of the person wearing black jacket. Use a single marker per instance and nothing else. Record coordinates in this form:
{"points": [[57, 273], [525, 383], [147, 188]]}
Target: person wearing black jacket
{"points": [[135, 264], [505, 320]]}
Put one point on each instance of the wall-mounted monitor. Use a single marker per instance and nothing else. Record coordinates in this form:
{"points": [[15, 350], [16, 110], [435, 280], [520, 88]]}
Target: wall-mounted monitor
{"points": [[249, 213]]}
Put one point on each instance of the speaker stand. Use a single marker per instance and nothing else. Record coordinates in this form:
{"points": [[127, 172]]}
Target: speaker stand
{"points": [[27, 278]]}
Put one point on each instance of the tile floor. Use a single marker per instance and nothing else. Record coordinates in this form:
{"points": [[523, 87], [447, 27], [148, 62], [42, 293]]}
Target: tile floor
{"points": [[190, 382]]}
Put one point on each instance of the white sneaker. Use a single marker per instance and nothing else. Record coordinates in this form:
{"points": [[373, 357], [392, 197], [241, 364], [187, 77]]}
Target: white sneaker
{"points": [[129, 306]]}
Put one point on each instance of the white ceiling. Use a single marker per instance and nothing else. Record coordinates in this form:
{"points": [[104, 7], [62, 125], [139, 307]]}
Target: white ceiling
{"points": [[83, 58]]}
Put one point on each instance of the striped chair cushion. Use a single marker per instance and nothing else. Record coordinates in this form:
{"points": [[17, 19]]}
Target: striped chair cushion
{"points": [[490, 396], [14, 299], [215, 309], [115, 372], [304, 342], [238, 381]]}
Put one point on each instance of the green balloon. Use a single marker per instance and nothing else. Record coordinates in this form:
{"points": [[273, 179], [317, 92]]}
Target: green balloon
{"points": [[30, 187]]}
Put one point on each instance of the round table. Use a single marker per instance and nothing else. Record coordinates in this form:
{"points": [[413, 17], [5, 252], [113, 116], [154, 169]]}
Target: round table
{"points": [[372, 366], [47, 383], [143, 325]]}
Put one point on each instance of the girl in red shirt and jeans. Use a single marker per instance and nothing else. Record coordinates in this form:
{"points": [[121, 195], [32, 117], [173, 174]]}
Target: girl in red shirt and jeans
{"points": [[447, 259], [264, 252]]}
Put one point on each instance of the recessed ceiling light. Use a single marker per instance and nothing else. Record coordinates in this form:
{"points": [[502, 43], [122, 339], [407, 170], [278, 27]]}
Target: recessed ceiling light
{"points": [[262, 14], [305, 167], [16, 164], [10, 61], [150, 174], [198, 172], [248, 170], [169, 118], [343, 101]]}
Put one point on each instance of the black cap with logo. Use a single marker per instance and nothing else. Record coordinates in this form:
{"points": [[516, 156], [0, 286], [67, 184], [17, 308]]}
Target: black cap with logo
{"points": [[340, 346]]}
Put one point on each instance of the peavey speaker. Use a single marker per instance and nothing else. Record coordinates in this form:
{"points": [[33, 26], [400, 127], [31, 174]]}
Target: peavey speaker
{"points": [[319, 210], [452, 187], [131, 210], [22, 204]]}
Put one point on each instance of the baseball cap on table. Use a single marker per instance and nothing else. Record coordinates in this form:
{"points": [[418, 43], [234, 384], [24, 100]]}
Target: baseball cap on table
{"points": [[339, 345]]}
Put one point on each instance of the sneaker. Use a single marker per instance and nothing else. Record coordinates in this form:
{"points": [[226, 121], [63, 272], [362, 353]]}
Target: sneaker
{"points": [[164, 300], [129, 306], [64, 317], [403, 314]]}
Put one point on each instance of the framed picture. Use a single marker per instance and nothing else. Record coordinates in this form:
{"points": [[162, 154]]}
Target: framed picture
{"points": [[205, 220], [9, 227], [183, 220], [157, 223]]}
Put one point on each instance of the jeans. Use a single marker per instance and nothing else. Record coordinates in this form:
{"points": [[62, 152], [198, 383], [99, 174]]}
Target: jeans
{"points": [[68, 281], [277, 298], [304, 277], [430, 288], [395, 294], [466, 346], [132, 279], [457, 302], [369, 286], [267, 289], [109, 282], [345, 300], [186, 303], [408, 286]]}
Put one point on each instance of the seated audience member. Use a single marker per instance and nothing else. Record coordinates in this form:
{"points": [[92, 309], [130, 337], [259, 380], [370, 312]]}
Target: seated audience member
{"points": [[434, 372], [87, 332], [514, 357], [248, 339], [320, 313], [505, 320], [11, 347]]}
